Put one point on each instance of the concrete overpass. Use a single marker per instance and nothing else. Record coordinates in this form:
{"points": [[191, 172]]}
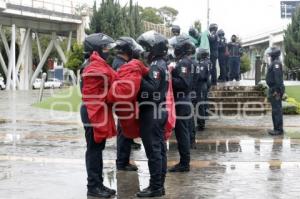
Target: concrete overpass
{"points": [[34, 17]]}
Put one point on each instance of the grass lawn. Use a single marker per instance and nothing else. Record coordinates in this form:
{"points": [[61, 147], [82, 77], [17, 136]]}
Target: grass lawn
{"points": [[70, 99], [67, 100], [294, 92]]}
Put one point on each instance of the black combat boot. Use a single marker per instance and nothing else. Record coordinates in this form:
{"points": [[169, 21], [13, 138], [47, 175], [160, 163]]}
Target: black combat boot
{"points": [[128, 167], [99, 192], [275, 132], [149, 192], [179, 168]]}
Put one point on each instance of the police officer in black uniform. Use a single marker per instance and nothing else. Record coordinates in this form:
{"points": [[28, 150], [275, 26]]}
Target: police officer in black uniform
{"points": [[153, 115], [214, 51], [93, 156], [175, 30], [274, 80], [182, 84], [126, 48], [203, 81], [235, 52], [222, 58]]}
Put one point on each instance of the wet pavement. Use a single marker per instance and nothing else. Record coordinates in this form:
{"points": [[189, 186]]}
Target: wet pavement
{"points": [[42, 157]]}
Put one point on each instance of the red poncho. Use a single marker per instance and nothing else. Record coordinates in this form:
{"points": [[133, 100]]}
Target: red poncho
{"points": [[170, 106], [123, 93], [97, 79]]}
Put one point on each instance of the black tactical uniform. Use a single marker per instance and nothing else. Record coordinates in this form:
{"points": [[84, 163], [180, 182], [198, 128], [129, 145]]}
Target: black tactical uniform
{"points": [[214, 51], [203, 82], [222, 56], [274, 80], [93, 155], [153, 115], [126, 47], [234, 60], [182, 85]]}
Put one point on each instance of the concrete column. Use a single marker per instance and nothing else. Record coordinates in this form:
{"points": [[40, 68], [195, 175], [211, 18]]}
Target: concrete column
{"points": [[11, 83], [81, 30]]}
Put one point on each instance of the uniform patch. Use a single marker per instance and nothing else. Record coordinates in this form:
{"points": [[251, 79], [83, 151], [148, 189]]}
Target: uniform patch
{"points": [[198, 69], [156, 74], [277, 66], [202, 68], [184, 70]]}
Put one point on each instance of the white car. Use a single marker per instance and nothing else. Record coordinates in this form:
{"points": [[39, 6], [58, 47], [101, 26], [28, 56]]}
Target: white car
{"points": [[2, 84], [51, 83], [37, 84]]}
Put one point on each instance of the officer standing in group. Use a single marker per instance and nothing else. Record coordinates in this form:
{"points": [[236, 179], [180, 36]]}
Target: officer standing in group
{"points": [[182, 82], [97, 49], [125, 50], [175, 30], [275, 82], [235, 52], [153, 115], [203, 81], [214, 50], [222, 57]]}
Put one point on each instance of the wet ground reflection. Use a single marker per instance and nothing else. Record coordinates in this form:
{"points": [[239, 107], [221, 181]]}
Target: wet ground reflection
{"points": [[43, 160]]}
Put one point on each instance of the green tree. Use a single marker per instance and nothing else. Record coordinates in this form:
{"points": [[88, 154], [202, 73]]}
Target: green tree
{"points": [[168, 14], [76, 57], [292, 43], [114, 20], [245, 64], [151, 15]]}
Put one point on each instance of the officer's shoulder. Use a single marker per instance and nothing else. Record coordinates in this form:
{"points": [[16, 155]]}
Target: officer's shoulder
{"points": [[185, 61], [159, 64]]}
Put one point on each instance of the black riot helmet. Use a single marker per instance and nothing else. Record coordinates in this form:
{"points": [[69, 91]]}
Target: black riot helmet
{"points": [[274, 53], [202, 54], [154, 44], [175, 30], [213, 27], [233, 38], [128, 46], [221, 33], [193, 32], [183, 46], [100, 43]]}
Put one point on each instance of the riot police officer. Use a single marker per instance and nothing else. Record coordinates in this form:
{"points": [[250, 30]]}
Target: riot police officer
{"points": [[175, 30], [234, 60], [97, 50], [203, 81], [222, 58], [153, 115], [182, 82], [214, 50], [274, 80], [126, 48]]}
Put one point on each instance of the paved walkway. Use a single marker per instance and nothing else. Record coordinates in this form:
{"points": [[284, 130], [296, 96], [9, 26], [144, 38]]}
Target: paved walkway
{"points": [[42, 157]]}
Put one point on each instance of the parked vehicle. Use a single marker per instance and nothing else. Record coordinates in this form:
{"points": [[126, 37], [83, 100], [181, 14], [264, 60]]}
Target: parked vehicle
{"points": [[51, 83], [2, 84]]}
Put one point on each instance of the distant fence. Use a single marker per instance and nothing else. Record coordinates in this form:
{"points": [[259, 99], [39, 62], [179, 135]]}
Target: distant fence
{"points": [[160, 28], [65, 6]]}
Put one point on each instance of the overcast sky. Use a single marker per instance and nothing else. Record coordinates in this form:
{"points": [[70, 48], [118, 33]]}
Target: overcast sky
{"points": [[242, 17]]}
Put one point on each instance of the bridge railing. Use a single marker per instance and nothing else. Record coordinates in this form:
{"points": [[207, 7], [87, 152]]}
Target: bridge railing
{"points": [[66, 7]]}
